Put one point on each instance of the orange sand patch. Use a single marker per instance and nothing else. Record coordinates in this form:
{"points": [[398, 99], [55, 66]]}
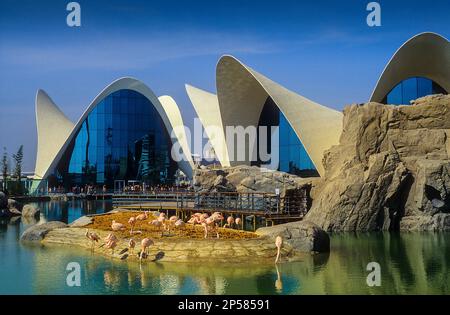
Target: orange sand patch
{"points": [[103, 222]]}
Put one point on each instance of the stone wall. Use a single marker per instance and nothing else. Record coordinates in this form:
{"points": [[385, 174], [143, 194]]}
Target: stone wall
{"points": [[390, 171]]}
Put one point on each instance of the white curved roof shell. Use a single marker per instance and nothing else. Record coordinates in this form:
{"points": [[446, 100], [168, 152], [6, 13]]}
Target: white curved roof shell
{"points": [[55, 131], [241, 95], [424, 55]]}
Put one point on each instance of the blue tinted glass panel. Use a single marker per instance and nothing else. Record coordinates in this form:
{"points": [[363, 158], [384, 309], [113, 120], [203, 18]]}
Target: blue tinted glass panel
{"points": [[117, 142], [395, 96], [411, 89]]}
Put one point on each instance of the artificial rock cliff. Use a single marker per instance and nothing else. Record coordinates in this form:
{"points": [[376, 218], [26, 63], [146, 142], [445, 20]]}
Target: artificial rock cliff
{"points": [[246, 179], [390, 171]]}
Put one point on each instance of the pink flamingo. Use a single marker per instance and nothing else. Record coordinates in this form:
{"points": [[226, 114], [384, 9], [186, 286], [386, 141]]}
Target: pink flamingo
{"points": [[157, 224], [278, 244], [93, 237], [230, 222], [111, 244], [116, 226], [145, 244], [142, 216], [132, 222], [211, 223], [162, 219], [109, 237], [171, 222]]}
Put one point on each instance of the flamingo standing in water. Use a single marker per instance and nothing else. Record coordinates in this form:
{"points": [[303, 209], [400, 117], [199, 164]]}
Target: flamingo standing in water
{"points": [[132, 223], [278, 244], [145, 244], [93, 237], [116, 226]]}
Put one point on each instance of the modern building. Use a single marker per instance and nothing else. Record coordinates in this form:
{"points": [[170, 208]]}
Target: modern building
{"points": [[421, 66], [124, 134], [245, 98]]}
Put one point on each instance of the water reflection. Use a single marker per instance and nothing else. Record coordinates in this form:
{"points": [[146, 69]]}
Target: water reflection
{"points": [[278, 282], [410, 263]]}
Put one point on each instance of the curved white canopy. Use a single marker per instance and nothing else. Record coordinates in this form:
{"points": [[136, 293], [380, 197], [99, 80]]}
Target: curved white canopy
{"points": [[424, 55], [241, 95]]}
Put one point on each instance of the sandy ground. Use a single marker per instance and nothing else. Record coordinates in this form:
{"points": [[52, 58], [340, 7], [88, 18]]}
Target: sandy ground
{"points": [[143, 229]]}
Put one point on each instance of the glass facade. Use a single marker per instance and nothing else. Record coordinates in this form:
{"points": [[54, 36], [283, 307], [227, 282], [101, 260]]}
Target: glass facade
{"points": [[122, 138], [292, 154], [411, 89]]}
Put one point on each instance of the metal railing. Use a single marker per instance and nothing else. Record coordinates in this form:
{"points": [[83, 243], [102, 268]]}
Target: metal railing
{"points": [[264, 203]]}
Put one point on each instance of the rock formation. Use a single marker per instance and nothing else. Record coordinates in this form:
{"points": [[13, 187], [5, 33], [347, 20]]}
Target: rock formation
{"points": [[30, 210], [390, 171], [303, 236], [244, 179], [39, 231], [9, 207]]}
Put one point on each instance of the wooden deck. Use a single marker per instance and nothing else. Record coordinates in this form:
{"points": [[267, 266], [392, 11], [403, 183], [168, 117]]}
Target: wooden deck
{"points": [[268, 208]]}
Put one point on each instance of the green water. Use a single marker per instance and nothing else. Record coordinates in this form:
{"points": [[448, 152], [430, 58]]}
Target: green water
{"points": [[411, 263]]}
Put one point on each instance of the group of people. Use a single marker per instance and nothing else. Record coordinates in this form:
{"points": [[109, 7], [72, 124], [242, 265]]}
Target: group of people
{"points": [[131, 188], [142, 188]]}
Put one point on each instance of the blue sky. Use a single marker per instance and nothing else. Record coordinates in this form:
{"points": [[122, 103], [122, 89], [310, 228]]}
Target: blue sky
{"points": [[323, 50]]}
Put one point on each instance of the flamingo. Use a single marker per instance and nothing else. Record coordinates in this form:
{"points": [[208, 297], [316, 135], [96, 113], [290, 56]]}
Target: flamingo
{"points": [[131, 246], [238, 222], [162, 219], [132, 222], [230, 222], [142, 216], [93, 237], [278, 244], [179, 224], [211, 223], [145, 244], [196, 218], [172, 220], [157, 224], [109, 237], [112, 243], [116, 226]]}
